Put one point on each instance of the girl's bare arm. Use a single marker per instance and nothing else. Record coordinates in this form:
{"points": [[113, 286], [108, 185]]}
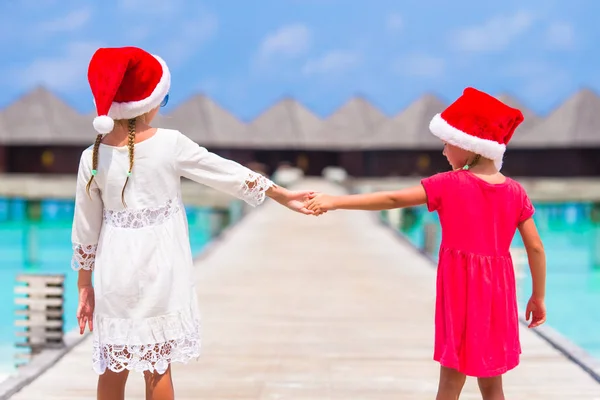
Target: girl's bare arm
{"points": [[372, 201], [536, 256]]}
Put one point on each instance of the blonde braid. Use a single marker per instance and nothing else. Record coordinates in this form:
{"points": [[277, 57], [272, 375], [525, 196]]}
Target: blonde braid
{"points": [[131, 148], [94, 162]]}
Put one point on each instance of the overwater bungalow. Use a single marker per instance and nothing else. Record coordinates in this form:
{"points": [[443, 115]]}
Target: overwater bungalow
{"points": [[40, 133]]}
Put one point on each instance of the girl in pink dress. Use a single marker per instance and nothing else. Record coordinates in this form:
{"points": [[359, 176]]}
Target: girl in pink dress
{"points": [[476, 316]]}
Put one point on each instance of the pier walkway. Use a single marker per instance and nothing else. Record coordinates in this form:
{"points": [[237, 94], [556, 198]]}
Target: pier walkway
{"points": [[335, 307]]}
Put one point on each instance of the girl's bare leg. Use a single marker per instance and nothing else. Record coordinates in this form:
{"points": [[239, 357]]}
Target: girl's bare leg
{"points": [[491, 388], [111, 385], [451, 384], [159, 387]]}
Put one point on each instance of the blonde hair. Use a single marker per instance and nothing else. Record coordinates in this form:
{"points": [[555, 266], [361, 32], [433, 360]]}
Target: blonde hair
{"points": [[131, 123]]}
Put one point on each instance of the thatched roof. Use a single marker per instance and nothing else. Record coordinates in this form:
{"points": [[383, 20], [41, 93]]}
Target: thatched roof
{"points": [[352, 125], [575, 123], [411, 126], [202, 119], [287, 124], [39, 117]]}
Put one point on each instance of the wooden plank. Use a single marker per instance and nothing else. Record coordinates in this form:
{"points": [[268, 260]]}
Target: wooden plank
{"points": [[332, 308], [43, 291], [43, 314], [54, 344], [24, 323], [26, 301], [47, 334], [51, 279]]}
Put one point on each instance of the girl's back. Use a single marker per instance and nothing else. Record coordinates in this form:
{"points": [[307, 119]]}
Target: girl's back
{"points": [[130, 227], [154, 181], [477, 217], [477, 329]]}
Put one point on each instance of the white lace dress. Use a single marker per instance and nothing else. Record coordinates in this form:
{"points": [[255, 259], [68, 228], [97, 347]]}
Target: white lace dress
{"points": [[146, 314]]}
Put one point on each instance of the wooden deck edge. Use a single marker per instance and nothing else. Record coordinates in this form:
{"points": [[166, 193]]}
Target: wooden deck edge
{"points": [[38, 365], [570, 350], [567, 348]]}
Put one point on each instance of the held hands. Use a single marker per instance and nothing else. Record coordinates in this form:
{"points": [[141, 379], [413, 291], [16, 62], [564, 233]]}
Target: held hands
{"points": [[306, 202], [319, 203], [536, 311], [296, 200], [85, 309]]}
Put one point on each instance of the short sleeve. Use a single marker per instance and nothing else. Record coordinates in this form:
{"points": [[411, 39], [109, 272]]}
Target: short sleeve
{"points": [[434, 188], [198, 164], [87, 220], [527, 209]]}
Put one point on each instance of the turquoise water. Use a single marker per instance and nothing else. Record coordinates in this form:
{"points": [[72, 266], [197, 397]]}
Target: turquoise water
{"points": [[44, 246], [571, 239], [572, 243]]}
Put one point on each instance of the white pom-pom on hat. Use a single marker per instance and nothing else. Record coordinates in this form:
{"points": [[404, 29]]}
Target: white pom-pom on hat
{"points": [[104, 124]]}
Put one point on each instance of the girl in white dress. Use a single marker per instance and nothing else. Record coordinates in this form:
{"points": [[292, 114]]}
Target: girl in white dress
{"points": [[130, 226]]}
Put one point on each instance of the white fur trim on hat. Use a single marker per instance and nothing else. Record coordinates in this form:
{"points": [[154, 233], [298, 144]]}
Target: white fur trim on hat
{"points": [[134, 109], [484, 147]]}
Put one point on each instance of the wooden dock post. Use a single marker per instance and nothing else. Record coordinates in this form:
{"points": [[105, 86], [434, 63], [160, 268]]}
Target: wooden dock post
{"points": [[394, 217], [595, 220], [596, 247], [219, 220], [430, 238], [520, 261], [43, 311], [236, 211], [31, 244]]}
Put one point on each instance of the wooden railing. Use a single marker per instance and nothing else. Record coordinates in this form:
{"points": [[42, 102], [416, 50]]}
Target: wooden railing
{"points": [[40, 311]]}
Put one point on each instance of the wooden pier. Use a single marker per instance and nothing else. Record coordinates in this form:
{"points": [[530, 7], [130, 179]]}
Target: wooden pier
{"points": [[335, 307]]}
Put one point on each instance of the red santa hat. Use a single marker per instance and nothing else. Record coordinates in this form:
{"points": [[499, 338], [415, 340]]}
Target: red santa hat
{"points": [[479, 123], [126, 82]]}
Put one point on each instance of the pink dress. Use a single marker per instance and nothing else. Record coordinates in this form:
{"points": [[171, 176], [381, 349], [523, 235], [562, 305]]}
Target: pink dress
{"points": [[476, 313]]}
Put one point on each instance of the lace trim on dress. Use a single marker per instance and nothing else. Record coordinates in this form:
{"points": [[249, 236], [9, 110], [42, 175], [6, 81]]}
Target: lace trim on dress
{"points": [[152, 357], [135, 219], [84, 256], [255, 194], [122, 344]]}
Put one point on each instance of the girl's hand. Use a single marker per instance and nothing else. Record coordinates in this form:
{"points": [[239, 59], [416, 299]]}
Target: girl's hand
{"points": [[85, 309], [295, 201], [320, 203], [536, 310]]}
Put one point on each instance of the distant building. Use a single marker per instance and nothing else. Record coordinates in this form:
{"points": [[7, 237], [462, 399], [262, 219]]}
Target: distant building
{"points": [[39, 133]]}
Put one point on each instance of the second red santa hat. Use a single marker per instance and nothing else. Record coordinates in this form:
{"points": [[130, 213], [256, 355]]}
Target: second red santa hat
{"points": [[479, 123]]}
